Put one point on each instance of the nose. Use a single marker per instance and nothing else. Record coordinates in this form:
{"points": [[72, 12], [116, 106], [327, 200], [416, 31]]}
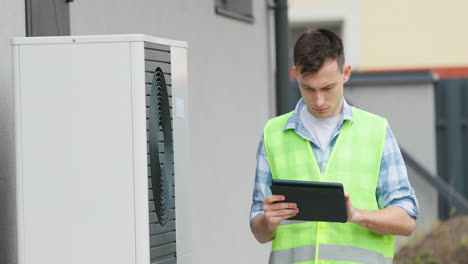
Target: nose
{"points": [[319, 99]]}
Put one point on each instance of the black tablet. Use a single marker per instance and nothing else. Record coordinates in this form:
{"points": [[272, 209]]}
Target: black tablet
{"points": [[317, 201]]}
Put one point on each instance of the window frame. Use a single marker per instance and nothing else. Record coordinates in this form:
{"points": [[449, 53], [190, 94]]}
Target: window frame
{"points": [[222, 9]]}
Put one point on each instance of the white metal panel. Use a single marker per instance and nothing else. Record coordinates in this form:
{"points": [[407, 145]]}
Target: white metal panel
{"points": [[184, 259], [96, 39], [76, 132], [19, 162], [139, 153], [182, 169]]}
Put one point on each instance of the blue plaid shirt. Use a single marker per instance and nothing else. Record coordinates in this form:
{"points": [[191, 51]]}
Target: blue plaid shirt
{"points": [[393, 187]]}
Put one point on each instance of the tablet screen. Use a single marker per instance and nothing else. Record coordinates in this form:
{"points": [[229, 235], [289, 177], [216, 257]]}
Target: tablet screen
{"points": [[317, 201]]}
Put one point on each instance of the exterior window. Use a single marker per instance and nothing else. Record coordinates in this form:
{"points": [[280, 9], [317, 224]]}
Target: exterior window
{"points": [[236, 9], [47, 18], [296, 29]]}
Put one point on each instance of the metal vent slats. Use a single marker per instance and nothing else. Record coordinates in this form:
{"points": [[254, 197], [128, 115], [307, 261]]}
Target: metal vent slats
{"points": [[163, 250], [156, 228], [149, 78], [164, 259], [169, 90], [162, 237], [153, 64], [157, 55], [154, 219], [148, 103]]}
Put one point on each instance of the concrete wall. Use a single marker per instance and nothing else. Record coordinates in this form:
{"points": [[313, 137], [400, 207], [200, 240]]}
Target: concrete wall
{"points": [[230, 87], [399, 33], [410, 111], [12, 23]]}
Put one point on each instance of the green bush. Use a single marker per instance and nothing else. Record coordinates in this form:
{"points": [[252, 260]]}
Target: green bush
{"points": [[424, 258]]}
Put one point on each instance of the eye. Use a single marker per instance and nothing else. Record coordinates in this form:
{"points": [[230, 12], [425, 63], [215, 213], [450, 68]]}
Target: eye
{"points": [[328, 88]]}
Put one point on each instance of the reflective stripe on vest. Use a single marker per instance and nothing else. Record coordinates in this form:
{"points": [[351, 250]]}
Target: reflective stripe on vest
{"points": [[293, 255], [354, 162], [328, 252]]}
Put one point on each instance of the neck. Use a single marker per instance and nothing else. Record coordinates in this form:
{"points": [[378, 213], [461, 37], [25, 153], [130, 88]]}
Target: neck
{"points": [[339, 109]]}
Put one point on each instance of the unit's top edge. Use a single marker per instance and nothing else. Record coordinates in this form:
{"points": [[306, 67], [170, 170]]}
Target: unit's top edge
{"points": [[96, 39]]}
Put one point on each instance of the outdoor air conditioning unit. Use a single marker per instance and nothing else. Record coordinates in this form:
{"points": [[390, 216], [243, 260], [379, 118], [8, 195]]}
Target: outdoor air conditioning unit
{"points": [[102, 142]]}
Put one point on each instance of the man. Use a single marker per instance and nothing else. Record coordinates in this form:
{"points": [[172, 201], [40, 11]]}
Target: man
{"points": [[349, 146]]}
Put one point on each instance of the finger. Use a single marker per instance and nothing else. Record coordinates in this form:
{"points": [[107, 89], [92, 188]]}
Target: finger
{"points": [[283, 213], [279, 206], [273, 198], [275, 218]]}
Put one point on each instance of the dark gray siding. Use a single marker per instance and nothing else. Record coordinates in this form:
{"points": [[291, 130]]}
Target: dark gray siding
{"points": [[451, 97]]}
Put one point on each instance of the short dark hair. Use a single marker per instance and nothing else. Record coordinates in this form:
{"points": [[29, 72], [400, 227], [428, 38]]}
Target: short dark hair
{"points": [[314, 47]]}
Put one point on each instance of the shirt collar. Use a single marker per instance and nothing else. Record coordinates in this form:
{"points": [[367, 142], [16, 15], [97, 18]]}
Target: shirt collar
{"points": [[294, 120]]}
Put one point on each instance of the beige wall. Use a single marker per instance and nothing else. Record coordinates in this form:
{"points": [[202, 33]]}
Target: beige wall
{"points": [[403, 34]]}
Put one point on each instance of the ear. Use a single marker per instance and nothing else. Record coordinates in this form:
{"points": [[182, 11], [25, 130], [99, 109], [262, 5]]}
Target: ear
{"points": [[293, 73], [346, 73]]}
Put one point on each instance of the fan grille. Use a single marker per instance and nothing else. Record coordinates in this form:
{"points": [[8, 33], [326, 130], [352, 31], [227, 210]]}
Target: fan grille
{"points": [[161, 211], [160, 131]]}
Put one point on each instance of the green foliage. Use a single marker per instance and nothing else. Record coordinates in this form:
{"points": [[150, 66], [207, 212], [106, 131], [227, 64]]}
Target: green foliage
{"points": [[464, 241], [452, 212], [423, 258]]}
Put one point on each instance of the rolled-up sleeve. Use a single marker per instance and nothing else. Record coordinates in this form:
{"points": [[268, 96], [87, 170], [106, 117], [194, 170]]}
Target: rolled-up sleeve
{"points": [[393, 187], [262, 183]]}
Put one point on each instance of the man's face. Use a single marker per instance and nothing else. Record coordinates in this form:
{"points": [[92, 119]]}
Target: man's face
{"points": [[323, 91]]}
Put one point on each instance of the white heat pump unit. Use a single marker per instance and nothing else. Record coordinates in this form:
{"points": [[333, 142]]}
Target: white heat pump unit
{"points": [[102, 142]]}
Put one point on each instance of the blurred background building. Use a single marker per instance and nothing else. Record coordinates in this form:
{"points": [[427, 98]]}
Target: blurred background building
{"points": [[399, 35], [406, 56]]}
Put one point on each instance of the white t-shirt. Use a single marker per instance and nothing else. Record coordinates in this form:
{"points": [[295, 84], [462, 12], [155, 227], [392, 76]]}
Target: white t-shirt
{"points": [[320, 129]]}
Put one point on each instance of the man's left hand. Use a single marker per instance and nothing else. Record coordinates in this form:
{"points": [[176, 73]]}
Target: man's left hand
{"points": [[391, 220], [353, 213]]}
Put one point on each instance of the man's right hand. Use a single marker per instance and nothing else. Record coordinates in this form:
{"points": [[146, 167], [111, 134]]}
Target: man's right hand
{"points": [[264, 226], [277, 211]]}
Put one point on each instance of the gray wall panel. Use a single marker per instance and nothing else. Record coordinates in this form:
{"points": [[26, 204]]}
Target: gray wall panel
{"points": [[229, 79], [12, 24]]}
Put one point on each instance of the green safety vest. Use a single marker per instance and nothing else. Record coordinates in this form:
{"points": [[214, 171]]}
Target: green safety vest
{"points": [[354, 162]]}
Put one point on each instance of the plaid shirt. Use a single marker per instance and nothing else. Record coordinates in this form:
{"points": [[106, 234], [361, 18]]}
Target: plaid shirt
{"points": [[393, 187]]}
